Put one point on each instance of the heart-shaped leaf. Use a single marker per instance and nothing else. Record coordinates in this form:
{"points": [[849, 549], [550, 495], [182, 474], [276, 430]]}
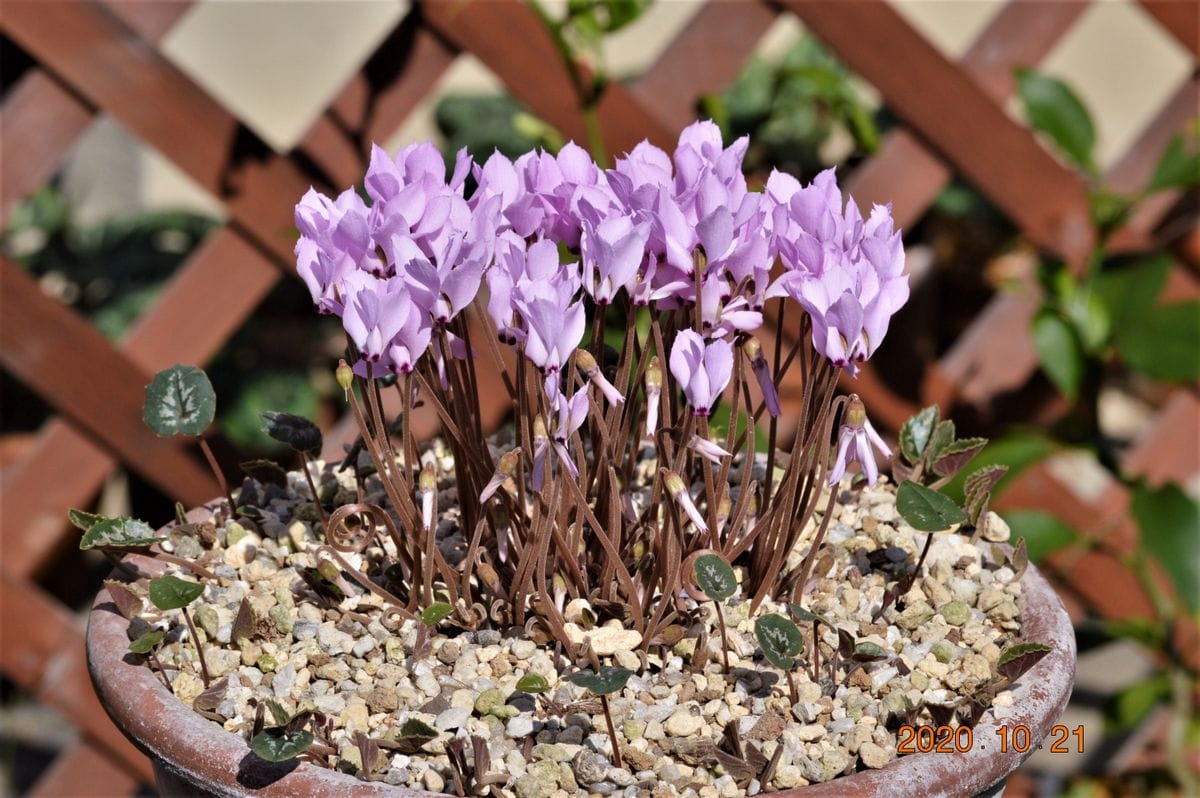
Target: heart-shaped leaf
{"points": [[413, 734], [927, 510], [866, 651], [118, 533], [533, 683], [780, 640], [1018, 658], [715, 577], [610, 679], [915, 434], [808, 616], [435, 612], [277, 745], [296, 431], [180, 401], [83, 520], [147, 642], [956, 454], [267, 472], [172, 593]]}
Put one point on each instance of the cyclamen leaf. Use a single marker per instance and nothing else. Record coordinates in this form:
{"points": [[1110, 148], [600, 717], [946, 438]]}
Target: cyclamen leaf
{"points": [[281, 715], [83, 520], [927, 510], [715, 577], [118, 533], [276, 745], [1020, 559], [413, 734], [867, 651], [915, 434], [533, 683], [179, 401], [982, 481], [128, 602], [435, 612], [212, 696], [807, 616], [173, 593], [1019, 658], [779, 639], [943, 436], [610, 679], [244, 624], [265, 471], [296, 431], [147, 642], [957, 454]]}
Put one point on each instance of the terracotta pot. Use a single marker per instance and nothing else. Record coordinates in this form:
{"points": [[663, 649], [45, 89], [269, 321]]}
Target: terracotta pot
{"points": [[192, 756]]}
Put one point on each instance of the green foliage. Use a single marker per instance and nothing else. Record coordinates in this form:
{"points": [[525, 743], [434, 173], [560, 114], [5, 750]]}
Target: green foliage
{"points": [[413, 734], [115, 533], [241, 417], [779, 639], [147, 642], [925, 509], [533, 683], [1053, 109], [173, 593], [1166, 342], [715, 577], [180, 401], [83, 520], [1135, 702], [435, 612], [1043, 533], [1059, 351], [1179, 166], [280, 745], [610, 679], [1170, 531], [1019, 658], [866, 651]]}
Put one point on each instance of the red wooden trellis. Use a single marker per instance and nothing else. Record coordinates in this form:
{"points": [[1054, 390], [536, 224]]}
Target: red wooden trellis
{"points": [[100, 58]]}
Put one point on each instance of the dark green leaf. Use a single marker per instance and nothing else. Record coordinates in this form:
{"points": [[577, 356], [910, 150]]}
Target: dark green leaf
{"points": [[281, 715], [951, 459], [1170, 525], [1053, 109], [943, 436], [1179, 166], [927, 510], [435, 612], [1042, 532], [1129, 288], [867, 651], [147, 642], [172, 593], [915, 434], [1020, 657], [413, 734], [715, 577], [780, 640], [533, 683], [82, 520], [609, 680], [1059, 351], [276, 745], [180, 401], [807, 616], [1134, 703], [118, 533], [1164, 344], [296, 431]]}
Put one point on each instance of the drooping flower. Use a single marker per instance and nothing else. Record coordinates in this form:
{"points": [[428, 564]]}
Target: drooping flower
{"points": [[374, 312], [709, 449], [679, 492], [588, 365], [611, 252], [855, 439], [703, 370], [654, 378], [554, 325]]}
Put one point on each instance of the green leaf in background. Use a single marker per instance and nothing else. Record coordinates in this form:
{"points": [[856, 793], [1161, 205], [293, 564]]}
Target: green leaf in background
{"points": [[1179, 166], [118, 533], [435, 612], [173, 593], [1044, 534], [147, 642], [179, 401], [1170, 525], [925, 509], [286, 391], [296, 431], [1017, 450], [1052, 108], [533, 683], [916, 432], [1059, 351], [715, 577], [1129, 288], [780, 640], [1135, 702], [610, 679], [277, 745], [1165, 344]]}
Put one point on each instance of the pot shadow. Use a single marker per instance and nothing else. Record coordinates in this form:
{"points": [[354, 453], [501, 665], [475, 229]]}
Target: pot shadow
{"points": [[255, 774]]}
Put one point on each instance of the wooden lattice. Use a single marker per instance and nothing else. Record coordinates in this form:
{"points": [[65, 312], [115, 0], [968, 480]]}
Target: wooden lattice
{"points": [[100, 57]]}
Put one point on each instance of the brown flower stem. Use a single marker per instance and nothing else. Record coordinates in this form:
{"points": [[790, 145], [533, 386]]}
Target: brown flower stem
{"points": [[312, 486], [816, 645], [162, 672], [724, 635], [216, 469], [187, 616], [793, 694], [198, 570], [612, 733]]}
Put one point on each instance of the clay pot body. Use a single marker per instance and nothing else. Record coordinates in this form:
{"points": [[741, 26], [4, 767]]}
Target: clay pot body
{"points": [[193, 756]]}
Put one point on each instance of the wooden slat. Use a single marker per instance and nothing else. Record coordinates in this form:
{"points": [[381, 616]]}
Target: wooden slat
{"points": [[63, 358], [1181, 18], [81, 771], [42, 651], [1169, 450]]}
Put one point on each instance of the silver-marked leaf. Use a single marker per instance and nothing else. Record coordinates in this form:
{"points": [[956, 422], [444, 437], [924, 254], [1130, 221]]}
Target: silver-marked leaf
{"points": [[808, 616], [715, 577], [147, 642], [82, 520], [118, 533], [915, 434], [282, 716], [1017, 659], [295, 431], [927, 510], [982, 481], [533, 683], [435, 612], [779, 639], [942, 437], [277, 745], [172, 593], [610, 679], [866, 651], [413, 734], [179, 401], [954, 456]]}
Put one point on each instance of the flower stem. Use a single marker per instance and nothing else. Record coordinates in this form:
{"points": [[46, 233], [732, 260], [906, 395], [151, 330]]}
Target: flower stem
{"points": [[199, 648], [612, 733], [724, 635], [312, 486], [216, 469]]}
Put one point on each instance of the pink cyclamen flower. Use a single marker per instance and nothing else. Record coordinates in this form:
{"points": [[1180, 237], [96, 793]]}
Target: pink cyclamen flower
{"points": [[554, 326], [855, 440], [611, 252], [703, 370], [709, 449]]}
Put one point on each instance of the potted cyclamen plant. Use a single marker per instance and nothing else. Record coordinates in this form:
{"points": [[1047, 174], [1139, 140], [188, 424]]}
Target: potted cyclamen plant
{"points": [[630, 588]]}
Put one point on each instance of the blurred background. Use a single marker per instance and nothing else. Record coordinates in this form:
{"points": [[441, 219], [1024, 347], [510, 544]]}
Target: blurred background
{"points": [[1041, 158]]}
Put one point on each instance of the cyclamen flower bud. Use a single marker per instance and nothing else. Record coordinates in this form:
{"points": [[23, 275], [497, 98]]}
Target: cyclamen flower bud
{"points": [[679, 493], [541, 446], [344, 375], [587, 364], [762, 371], [708, 449], [654, 378], [427, 488], [504, 470], [855, 440]]}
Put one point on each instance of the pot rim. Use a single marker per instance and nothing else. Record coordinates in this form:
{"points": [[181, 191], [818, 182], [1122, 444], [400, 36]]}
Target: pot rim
{"points": [[192, 748]]}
